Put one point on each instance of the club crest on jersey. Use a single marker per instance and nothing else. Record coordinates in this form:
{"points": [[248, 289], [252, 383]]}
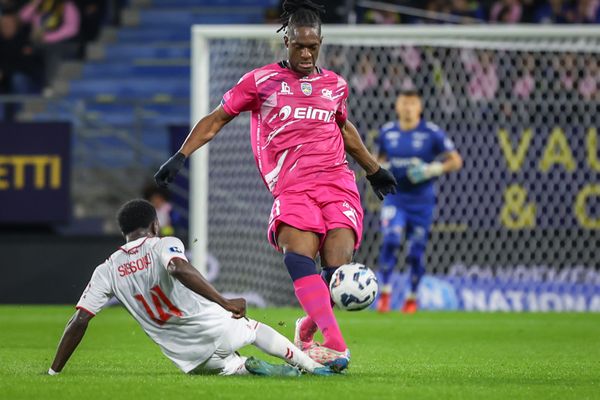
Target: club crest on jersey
{"points": [[306, 88]]}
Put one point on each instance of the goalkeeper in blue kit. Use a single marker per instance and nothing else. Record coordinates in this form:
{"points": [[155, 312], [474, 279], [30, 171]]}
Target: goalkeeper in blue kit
{"points": [[417, 152]]}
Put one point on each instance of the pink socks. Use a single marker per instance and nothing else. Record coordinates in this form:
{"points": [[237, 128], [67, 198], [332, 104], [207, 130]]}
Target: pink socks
{"points": [[313, 295]]}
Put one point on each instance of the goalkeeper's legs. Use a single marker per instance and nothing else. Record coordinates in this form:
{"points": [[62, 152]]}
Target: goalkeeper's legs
{"points": [[393, 220], [417, 236], [417, 243], [387, 262]]}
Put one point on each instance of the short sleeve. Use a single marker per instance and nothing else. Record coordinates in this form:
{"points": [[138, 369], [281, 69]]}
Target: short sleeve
{"points": [[97, 293], [341, 114], [169, 248], [242, 97], [443, 144]]}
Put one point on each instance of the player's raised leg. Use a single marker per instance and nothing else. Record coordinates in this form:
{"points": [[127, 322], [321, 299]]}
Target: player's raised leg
{"points": [[300, 249], [338, 249]]}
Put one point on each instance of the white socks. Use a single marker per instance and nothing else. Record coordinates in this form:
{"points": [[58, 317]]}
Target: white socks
{"points": [[273, 343]]}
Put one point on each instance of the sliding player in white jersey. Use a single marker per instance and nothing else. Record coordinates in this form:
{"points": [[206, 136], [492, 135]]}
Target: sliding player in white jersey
{"points": [[193, 324]]}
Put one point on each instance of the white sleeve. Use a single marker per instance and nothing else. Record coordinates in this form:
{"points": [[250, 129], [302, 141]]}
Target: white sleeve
{"points": [[169, 248], [97, 292]]}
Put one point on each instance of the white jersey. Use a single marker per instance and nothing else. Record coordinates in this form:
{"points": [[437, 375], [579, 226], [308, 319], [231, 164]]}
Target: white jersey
{"points": [[187, 327]]}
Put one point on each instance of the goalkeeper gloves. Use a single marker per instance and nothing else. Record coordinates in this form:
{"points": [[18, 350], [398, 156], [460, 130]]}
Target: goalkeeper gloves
{"points": [[383, 182], [169, 170], [420, 171]]}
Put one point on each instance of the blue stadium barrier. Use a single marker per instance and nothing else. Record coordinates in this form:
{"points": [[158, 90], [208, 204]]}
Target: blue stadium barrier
{"points": [[145, 35], [123, 70], [214, 3], [164, 18], [133, 51], [130, 88]]}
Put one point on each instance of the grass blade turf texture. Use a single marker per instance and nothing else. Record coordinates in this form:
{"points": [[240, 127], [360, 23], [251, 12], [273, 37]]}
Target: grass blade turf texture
{"points": [[427, 355]]}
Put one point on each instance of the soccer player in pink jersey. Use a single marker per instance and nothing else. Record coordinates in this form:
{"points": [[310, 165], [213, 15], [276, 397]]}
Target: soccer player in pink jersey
{"points": [[300, 135]]}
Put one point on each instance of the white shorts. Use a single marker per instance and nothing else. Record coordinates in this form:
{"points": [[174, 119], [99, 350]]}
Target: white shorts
{"points": [[225, 361]]}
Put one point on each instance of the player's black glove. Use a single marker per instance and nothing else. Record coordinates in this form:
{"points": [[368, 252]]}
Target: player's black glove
{"points": [[383, 182], [169, 170]]}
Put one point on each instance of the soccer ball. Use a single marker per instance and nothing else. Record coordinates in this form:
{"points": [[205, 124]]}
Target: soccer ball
{"points": [[353, 287]]}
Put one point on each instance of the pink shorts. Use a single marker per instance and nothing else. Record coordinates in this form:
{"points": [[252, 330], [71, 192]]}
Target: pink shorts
{"points": [[319, 209]]}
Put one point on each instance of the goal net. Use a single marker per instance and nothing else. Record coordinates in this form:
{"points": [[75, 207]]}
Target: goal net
{"points": [[518, 228]]}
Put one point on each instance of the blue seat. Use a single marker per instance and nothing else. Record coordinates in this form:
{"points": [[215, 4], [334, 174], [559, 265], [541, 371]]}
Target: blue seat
{"points": [[166, 18], [144, 35], [125, 69], [132, 51], [130, 88], [214, 3]]}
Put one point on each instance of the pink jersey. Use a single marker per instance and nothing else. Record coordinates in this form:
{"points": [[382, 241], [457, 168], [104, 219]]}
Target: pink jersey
{"points": [[295, 129]]}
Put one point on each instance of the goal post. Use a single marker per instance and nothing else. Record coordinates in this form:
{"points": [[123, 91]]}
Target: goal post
{"points": [[522, 104]]}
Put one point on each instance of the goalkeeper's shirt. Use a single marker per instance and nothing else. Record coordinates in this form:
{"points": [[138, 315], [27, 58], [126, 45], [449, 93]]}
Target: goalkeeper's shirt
{"points": [[426, 142]]}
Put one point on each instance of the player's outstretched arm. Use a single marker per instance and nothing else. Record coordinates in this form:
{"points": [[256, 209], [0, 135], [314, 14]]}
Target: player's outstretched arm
{"points": [[71, 338], [189, 276], [382, 181], [206, 129]]}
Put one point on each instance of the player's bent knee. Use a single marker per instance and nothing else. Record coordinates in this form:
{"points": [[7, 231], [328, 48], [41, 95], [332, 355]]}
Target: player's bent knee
{"points": [[338, 248]]}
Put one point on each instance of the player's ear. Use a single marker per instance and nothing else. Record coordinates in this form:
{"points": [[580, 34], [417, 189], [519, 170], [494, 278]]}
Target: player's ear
{"points": [[286, 41], [155, 228]]}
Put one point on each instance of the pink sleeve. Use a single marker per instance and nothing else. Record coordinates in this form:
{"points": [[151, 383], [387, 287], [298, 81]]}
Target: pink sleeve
{"points": [[68, 29], [242, 97], [341, 114], [27, 12]]}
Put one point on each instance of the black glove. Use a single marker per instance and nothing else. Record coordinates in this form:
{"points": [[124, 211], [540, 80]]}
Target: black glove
{"points": [[168, 171], [383, 182]]}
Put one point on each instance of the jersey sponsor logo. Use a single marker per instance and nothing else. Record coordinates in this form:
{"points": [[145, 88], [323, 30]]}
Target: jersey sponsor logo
{"points": [[132, 267], [392, 135], [285, 112], [306, 88], [305, 113], [175, 249], [285, 89], [404, 162]]}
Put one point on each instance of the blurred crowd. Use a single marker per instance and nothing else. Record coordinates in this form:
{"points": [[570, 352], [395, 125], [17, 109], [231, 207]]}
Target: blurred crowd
{"points": [[481, 73], [37, 35], [505, 84], [490, 11]]}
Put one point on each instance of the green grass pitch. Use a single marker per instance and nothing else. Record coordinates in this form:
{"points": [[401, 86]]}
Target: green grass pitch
{"points": [[428, 355]]}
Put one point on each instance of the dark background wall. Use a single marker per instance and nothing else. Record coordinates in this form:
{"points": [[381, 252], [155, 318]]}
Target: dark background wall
{"points": [[50, 269]]}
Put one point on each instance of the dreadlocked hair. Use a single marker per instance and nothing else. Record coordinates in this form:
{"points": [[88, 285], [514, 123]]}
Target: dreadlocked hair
{"points": [[301, 13]]}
